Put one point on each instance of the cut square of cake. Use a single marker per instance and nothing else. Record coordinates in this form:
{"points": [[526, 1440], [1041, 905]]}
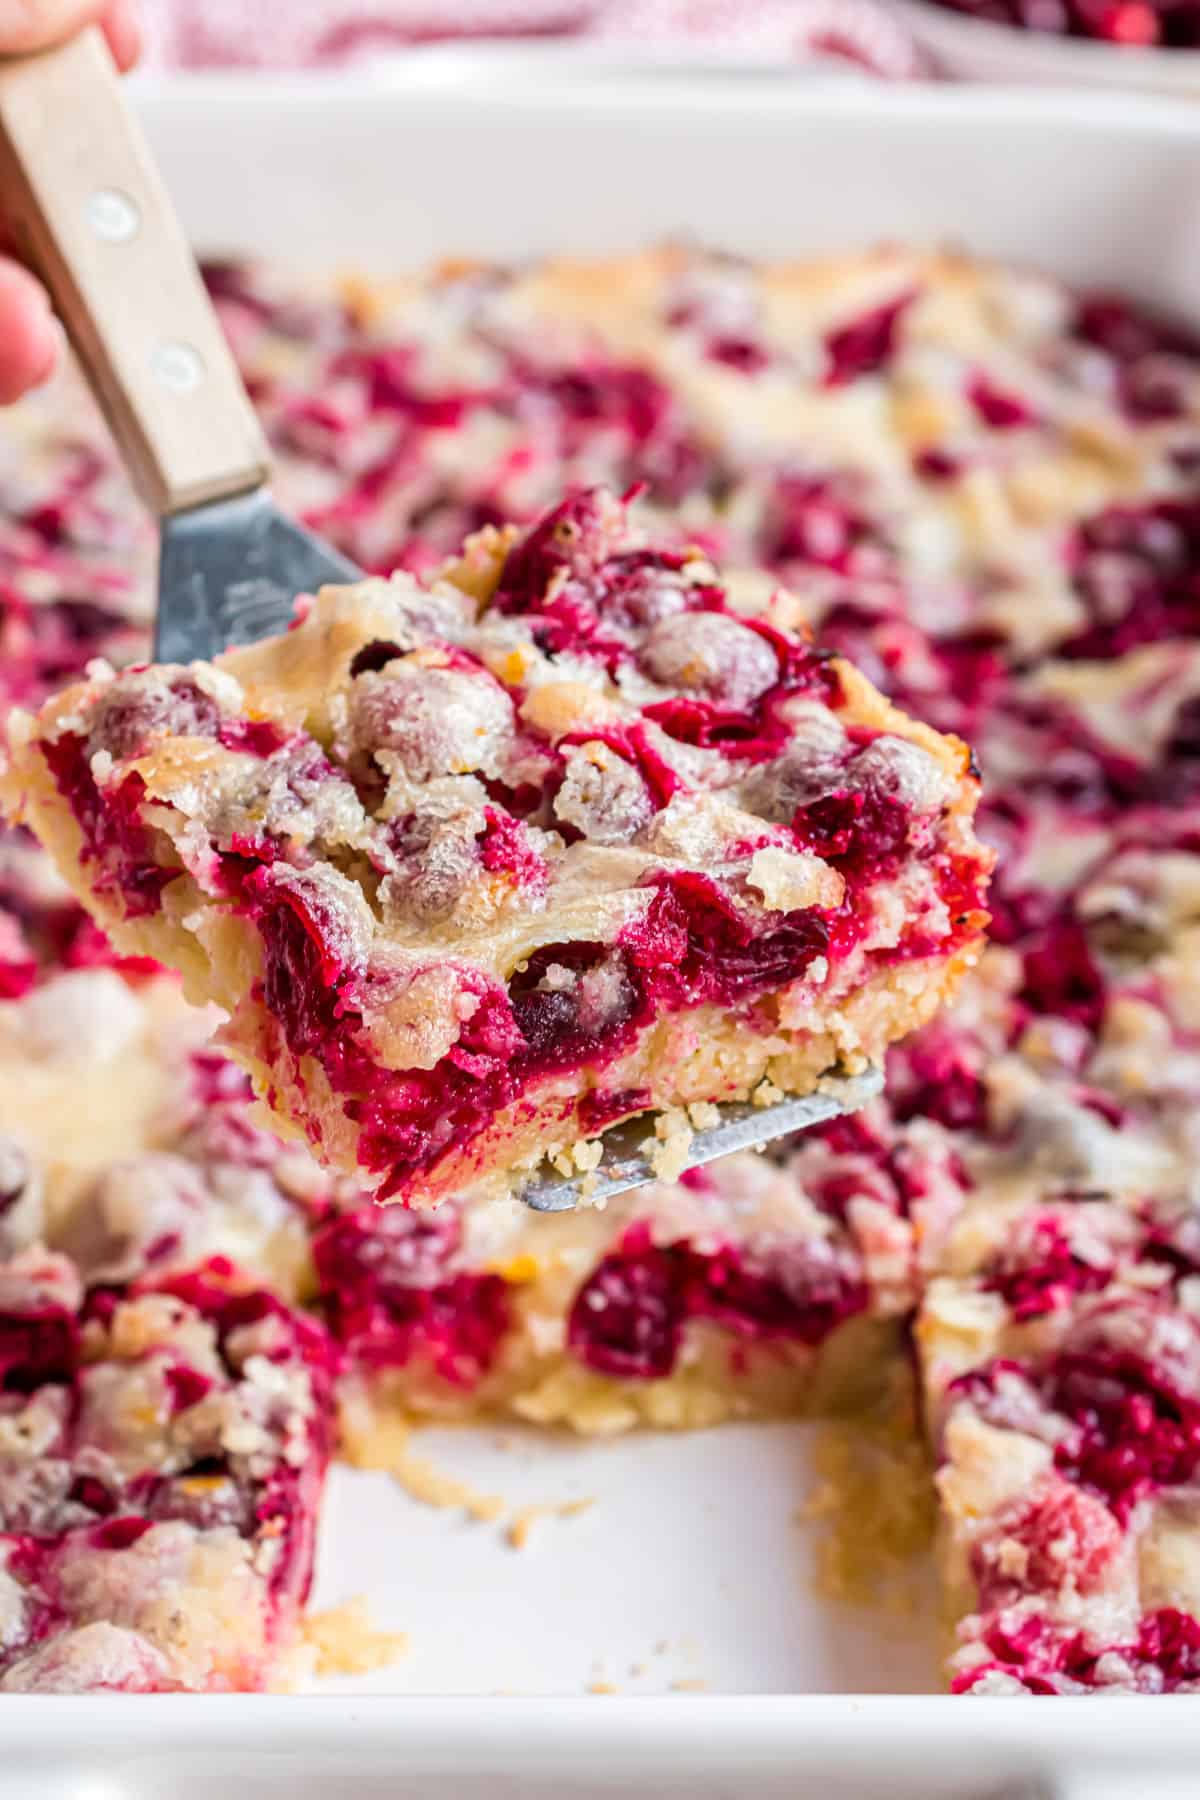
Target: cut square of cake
{"points": [[480, 867], [751, 1288], [162, 1453], [1060, 1341], [1069, 1457]]}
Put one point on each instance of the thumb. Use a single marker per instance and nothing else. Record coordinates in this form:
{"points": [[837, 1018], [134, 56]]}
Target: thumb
{"points": [[30, 335], [27, 25]]}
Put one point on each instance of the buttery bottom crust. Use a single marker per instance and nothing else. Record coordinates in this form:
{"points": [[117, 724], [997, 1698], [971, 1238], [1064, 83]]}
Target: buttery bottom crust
{"points": [[717, 1380], [692, 1057]]}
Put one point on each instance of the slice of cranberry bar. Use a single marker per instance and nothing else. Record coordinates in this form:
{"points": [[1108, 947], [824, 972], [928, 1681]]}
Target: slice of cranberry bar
{"points": [[162, 1453], [480, 867]]}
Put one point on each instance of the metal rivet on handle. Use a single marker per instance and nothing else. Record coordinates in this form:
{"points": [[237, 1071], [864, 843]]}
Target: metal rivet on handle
{"points": [[179, 367], [113, 216]]}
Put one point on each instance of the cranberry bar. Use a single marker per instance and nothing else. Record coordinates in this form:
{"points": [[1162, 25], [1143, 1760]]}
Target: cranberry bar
{"points": [[479, 867], [162, 1452], [748, 1289]]}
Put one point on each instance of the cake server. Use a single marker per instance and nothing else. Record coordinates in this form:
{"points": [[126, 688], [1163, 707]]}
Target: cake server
{"points": [[91, 214], [628, 1150]]}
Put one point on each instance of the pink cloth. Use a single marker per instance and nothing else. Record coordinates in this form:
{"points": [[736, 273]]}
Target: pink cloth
{"points": [[302, 33]]}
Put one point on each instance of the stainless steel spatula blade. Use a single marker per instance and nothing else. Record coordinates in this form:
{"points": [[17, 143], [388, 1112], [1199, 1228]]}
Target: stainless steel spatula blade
{"points": [[625, 1163], [229, 573]]}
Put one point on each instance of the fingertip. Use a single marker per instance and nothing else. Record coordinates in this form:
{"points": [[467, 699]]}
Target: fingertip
{"points": [[30, 335], [122, 24]]}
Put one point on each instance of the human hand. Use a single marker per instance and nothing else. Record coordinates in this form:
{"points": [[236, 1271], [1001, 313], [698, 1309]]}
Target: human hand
{"points": [[29, 333]]}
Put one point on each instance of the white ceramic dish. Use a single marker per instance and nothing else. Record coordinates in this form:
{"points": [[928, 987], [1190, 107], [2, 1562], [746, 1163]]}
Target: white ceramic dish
{"points": [[692, 1542], [974, 50]]}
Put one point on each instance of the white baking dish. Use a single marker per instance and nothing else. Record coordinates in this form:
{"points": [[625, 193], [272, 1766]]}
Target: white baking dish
{"points": [[692, 1543]]}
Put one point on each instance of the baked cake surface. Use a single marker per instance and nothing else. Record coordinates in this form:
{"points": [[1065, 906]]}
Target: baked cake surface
{"points": [[983, 489]]}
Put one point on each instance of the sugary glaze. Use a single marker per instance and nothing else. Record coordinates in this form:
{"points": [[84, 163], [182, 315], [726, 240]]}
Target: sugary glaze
{"points": [[481, 866], [984, 490]]}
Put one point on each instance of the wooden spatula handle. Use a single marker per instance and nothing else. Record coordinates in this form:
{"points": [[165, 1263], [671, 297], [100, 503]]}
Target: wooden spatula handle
{"points": [[80, 193]]}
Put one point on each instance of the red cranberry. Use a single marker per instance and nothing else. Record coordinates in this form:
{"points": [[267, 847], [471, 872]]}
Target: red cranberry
{"points": [[937, 465], [1001, 410], [867, 825], [694, 946], [602, 1105], [113, 833], [626, 406], [1129, 22], [740, 353], [36, 1348], [627, 1319], [262, 738], [87, 1491], [1128, 332], [1039, 1273], [1159, 387], [866, 343], [1178, 778], [713, 653], [815, 520], [745, 721], [186, 1386], [136, 714], [119, 1534], [798, 1295], [1170, 1640], [312, 953], [506, 849], [391, 387], [18, 964], [1136, 571], [1062, 976], [935, 1077], [390, 1247], [1136, 1433], [1032, 1650], [570, 998], [390, 1293]]}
